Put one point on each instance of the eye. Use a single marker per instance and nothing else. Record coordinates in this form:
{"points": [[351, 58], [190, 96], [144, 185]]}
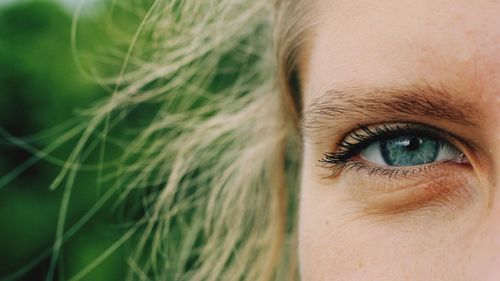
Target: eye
{"points": [[385, 147], [395, 168], [410, 150]]}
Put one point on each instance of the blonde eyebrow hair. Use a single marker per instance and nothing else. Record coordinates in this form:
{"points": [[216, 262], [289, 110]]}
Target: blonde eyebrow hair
{"points": [[337, 106]]}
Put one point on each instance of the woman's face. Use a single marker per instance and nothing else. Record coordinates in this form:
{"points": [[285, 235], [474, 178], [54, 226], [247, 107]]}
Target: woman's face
{"points": [[402, 141]]}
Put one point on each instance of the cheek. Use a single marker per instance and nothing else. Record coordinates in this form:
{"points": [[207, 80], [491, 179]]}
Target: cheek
{"points": [[331, 244], [337, 241]]}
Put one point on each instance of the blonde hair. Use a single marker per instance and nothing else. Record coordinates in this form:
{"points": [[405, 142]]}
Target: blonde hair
{"points": [[217, 163]]}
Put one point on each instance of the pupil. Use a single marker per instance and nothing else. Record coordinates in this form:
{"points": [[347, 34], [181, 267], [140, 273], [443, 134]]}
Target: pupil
{"points": [[414, 144]]}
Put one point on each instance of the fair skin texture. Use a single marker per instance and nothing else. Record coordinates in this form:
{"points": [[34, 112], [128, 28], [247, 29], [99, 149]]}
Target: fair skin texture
{"points": [[430, 62]]}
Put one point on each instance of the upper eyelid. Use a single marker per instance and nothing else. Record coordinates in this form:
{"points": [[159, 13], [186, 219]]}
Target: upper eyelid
{"points": [[385, 130], [339, 157]]}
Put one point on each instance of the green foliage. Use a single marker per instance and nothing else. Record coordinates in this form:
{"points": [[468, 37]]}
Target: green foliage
{"points": [[40, 88], [38, 78]]}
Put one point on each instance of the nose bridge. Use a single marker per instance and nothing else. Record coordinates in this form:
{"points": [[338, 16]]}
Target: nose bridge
{"points": [[491, 253], [490, 172], [495, 160], [495, 138], [490, 102], [483, 257], [487, 242], [482, 254]]}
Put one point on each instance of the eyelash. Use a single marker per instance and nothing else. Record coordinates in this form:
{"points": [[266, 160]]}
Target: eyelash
{"points": [[341, 160]]}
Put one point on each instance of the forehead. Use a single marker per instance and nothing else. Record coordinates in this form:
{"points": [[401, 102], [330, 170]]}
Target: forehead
{"points": [[379, 43]]}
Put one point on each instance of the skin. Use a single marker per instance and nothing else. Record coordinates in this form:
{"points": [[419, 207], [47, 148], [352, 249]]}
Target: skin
{"points": [[438, 223]]}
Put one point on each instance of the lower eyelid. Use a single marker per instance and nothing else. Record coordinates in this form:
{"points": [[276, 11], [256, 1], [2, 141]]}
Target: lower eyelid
{"points": [[361, 165], [440, 189]]}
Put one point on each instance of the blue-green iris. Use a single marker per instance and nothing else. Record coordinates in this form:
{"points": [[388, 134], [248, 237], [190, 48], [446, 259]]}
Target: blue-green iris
{"points": [[409, 150]]}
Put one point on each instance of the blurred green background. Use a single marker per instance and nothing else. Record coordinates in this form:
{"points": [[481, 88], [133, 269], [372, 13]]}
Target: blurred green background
{"points": [[41, 88]]}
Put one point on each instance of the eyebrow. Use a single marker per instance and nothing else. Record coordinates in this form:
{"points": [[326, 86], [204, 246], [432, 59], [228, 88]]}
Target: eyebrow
{"points": [[337, 108]]}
